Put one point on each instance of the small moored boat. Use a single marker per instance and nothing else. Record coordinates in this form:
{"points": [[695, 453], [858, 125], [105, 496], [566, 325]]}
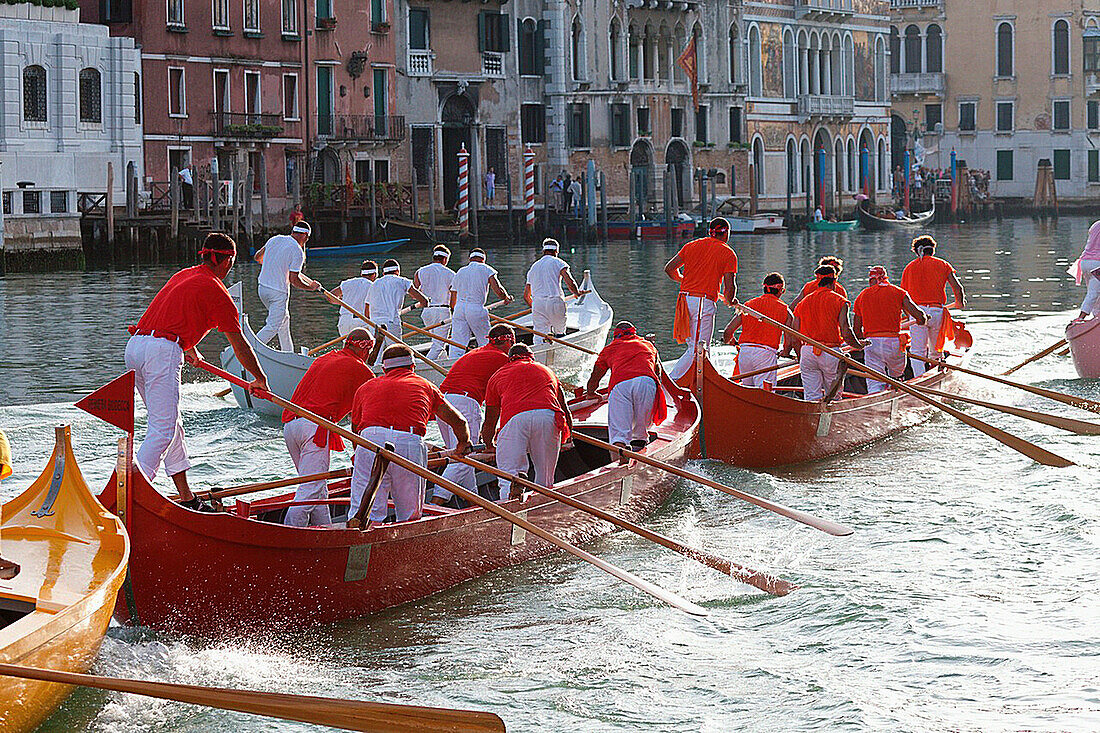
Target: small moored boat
{"points": [[874, 223], [72, 553], [833, 226], [768, 223], [1084, 346], [356, 250], [417, 232]]}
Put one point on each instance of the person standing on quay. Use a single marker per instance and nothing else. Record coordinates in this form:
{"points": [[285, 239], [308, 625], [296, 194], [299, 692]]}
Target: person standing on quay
{"points": [[703, 267], [281, 260], [434, 280], [543, 289]]}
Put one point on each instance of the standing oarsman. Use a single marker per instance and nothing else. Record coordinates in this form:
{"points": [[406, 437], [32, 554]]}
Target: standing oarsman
{"points": [[190, 304], [822, 316], [328, 387], [543, 290], [926, 279], [759, 343], [702, 267], [281, 260], [837, 264], [877, 318], [469, 290], [396, 408], [635, 400], [434, 280], [386, 297], [464, 388], [354, 291], [528, 401]]}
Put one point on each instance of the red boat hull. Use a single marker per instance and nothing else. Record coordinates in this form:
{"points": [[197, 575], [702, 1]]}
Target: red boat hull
{"points": [[754, 428], [192, 572]]}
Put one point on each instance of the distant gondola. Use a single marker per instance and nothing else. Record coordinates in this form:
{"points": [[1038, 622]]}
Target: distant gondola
{"points": [[876, 223]]}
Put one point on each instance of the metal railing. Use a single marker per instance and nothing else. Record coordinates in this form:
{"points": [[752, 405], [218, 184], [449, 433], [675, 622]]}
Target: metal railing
{"points": [[380, 128], [253, 125], [492, 63]]}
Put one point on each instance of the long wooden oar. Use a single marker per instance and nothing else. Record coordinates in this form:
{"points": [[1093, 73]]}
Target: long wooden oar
{"points": [[1080, 427], [1035, 357], [325, 345], [333, 712], [548, 337], [767, 583], [492, 507], [445, 322], [1082, 402], [339, 339], [396, 338], [1032, 451], [276, 484]]}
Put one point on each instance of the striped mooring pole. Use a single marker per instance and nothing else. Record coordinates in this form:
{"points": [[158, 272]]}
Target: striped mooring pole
{"points": [[463, 192], [529, 188]]}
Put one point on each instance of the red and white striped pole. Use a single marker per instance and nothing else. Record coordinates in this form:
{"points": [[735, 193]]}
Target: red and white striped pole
{"points": [[463, 192], [529, 187]]}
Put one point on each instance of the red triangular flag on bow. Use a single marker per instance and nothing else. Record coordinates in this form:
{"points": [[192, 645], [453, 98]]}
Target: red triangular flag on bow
{"points": [[113, 402]]}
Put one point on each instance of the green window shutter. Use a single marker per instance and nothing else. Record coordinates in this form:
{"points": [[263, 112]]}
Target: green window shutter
{"points": [[1061, 165], [1094, 166], [481, 30], [505, 33], [1004, 165], [540, 48]]}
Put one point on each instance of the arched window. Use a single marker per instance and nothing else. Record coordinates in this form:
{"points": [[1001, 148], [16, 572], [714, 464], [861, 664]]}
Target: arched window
{"points": [[880, 70], [758, 164], [735, 56], [933, 49], [1004, 49], [648, 43], [838, 166], [880, 164], [577, 49], [614, 56], [679, 42], [895, 51], [632, 51], [34, 94], [528, 47], [788, 64], [792, 168], [755, 71], [702, 66], [664, 44], [1061, 47], [851, 165], [91, 98], [912, 50]]}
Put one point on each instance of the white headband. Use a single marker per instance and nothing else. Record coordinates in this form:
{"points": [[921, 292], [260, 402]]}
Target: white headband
{"points": [[397, 361], [301, 229], [369, 271], [441, 250], [477, 255], [390, 270], [549, 247]]}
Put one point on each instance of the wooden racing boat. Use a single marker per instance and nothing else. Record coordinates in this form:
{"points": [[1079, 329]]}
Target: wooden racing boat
{"points": [[874, 223], [54, 613], [1084, 346], [197, 572], [755, 428], [588, 319]]}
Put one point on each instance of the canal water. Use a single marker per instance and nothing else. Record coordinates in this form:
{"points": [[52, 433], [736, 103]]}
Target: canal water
{"points": [[967, 599]]}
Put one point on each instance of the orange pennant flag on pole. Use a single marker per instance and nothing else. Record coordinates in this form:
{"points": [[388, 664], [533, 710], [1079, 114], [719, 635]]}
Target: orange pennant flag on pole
{"points": [[689, 62]]}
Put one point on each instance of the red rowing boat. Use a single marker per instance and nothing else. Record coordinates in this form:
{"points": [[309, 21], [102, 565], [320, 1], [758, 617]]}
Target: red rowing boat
{"points": [[755, 428], [190, 571]]}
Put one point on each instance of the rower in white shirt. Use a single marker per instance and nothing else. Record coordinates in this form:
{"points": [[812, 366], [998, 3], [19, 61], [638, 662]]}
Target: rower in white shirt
{"points": [[434, 280], [386, 296], [469, 290], [543, 290], [354, 292], [281, 260]]}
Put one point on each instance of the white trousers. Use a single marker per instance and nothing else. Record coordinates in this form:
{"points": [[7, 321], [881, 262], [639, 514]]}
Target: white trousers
{"points": [[308, 458], [157, 364], [460, 473], [548, 315], [469, 319], [752, 357], [278, 316], [923, 338], [884, 355], [1091, 303], [403, 486], [630, 409], [702, 312], [393, 326], [433, 316], [348, 323], [534, 433], [819, 372]]}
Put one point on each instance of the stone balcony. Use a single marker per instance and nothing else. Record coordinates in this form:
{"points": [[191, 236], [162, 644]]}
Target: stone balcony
{"points": [[923, 83], [1092, 83], [817, 105], [824, 10], [916, 4]]}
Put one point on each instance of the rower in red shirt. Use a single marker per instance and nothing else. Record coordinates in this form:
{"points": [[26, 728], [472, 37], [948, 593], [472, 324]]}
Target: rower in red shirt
{"points": [[396, 408], [878, 310], [759, 342], [534, 418], [837, 264], [192, 303], [926, 279], [464, 388], [822, 316], [327, 389], [702, 267]]}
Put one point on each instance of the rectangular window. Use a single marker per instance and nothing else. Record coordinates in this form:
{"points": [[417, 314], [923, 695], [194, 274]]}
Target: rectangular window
{"points": [[1005, 114], [620, 125], [701, 124], [290, 17], [1092, 116], [252, 103], [252, 16], [381, 171], [324, 9], [578, 125], [324, 100], [423, 153], [177, 92], [532, 120], [59, 202], [677, 120], [1061, 165], [220, 15], [137, 98], [1061, 114], [7, 203], [968, 116], [735, 124], [1004, 165], [290, 97], [377, 13], [175, 12], [32, 202], [1094, 165], [115, 11], [418, 29], [643, 121], [222, 98], [492, 32], [933, 115], [362, 171], [1092, 54], [381, 98]]}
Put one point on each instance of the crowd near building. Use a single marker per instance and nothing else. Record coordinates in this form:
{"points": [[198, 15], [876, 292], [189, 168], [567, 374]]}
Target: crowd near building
{"points": [[782, 103]]}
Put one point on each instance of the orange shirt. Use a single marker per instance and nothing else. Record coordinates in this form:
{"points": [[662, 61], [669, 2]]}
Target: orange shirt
{"points": [[329, 385], [399, 399], [879, 309], [470, 374], [757, 332], [812, 286], [192, 303], [706, 260], [522, 385], [925, 278], [819, 316], [628, 357]]}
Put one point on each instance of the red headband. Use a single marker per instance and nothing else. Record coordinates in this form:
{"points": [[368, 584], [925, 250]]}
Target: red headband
{"points": [[620, 332]]}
